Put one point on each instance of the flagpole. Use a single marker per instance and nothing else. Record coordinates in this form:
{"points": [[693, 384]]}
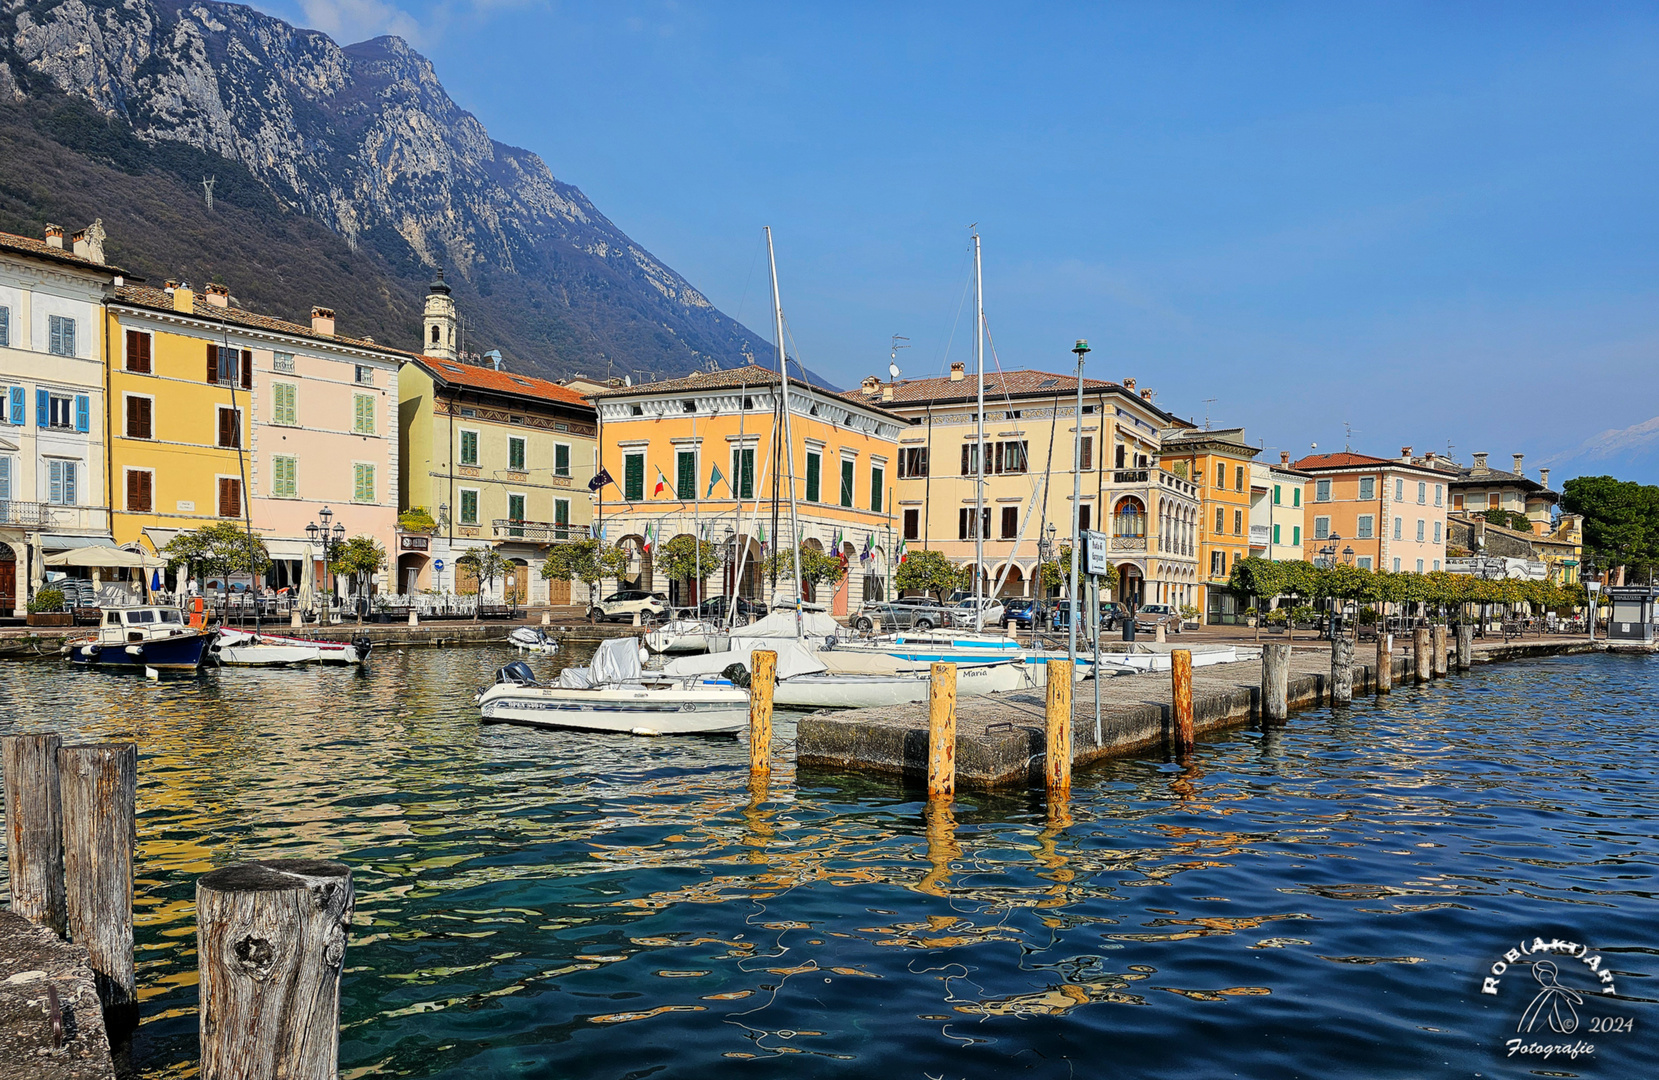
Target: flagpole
{"points": [[979, 455], [696, 521], [788, 438]]}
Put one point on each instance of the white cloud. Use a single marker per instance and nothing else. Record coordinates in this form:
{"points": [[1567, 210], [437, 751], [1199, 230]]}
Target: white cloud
{"points": [[349, 21]]}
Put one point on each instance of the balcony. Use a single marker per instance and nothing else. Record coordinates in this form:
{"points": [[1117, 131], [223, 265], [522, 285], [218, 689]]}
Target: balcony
{"points": [[1259, 535], [1130, 476], [51, 517], [537, 532]]}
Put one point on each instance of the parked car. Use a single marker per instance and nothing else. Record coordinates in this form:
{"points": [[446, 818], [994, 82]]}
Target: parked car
{"points": [[624, 605], [1112, 615], [715, 607], [1019, 611], [911, 613], [962, 612], [1149, 616]]}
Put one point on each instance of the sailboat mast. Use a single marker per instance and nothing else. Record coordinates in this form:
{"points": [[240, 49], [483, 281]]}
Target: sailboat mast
{"points": [[979, 454], [788, 438]]}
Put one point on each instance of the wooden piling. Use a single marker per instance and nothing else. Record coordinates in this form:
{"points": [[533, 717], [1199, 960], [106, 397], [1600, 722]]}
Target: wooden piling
{"points": [[1276, 681], [1342, 670], [941, 731], [1057, 763], [763, 677], [271, 941], [1180, 673], [34, 828], [100, 785], [1422, 658], [1439, 649], [1465, 646], [1385, 662]]}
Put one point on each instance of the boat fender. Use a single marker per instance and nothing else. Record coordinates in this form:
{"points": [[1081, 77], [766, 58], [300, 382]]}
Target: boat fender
{"points": [[135, 650], [90, 651], [736, 674]]}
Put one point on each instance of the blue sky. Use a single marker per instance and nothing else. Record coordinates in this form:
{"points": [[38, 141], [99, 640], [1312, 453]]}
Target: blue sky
{"points": [[1433, 223]]}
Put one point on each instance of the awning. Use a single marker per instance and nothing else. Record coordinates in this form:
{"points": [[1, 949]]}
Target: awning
{"points": [[158, 538], [290, 549], [105, 557], [68, 542]]}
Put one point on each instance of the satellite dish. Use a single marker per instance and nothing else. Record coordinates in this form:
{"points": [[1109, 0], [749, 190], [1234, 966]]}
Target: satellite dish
{"points": [[1314, 446], [627, 380], [893, 370]]}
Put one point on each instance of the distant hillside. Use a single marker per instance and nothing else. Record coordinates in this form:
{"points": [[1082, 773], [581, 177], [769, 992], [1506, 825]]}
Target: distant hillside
{"points": [[342, 176]]}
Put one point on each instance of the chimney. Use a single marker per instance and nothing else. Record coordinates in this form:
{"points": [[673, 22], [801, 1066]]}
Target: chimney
{"points": [[171, 285], [1517, 458], [1129, 384], [184, 298], [870, 385], [218, 295], [1405, 454], [1428, 459], [1544, 478], [1480, 463], [887, 392], [958, 371], [1146, 395], [1284, 457], [54, 236], [322, 321], [80, 244]]}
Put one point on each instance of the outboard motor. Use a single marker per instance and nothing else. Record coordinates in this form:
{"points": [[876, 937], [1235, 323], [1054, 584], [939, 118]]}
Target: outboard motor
{"points": [[364, 643], [737, 675], [517, 672]]}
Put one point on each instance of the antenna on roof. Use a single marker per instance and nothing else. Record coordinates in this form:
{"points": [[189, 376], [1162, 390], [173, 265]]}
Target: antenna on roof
{"points": [[1348, 438], [207, 186], [1207, 403], [893, 364]]}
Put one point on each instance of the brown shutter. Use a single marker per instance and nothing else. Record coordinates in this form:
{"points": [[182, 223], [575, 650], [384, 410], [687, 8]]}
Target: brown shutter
{"points": [[247, 369], [230, 498], [138, 351], [144, 409], [213, 363], [230, 431], [138, 491], [132, 490]]}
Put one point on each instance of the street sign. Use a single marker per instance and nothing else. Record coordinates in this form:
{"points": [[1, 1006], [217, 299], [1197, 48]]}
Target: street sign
{"points": [[1094, 552], [437, 564]]}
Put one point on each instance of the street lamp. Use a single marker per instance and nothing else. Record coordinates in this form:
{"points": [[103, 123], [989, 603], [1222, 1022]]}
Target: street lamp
{"points": [[328, 539], [1592, 586], [1082, 350]]}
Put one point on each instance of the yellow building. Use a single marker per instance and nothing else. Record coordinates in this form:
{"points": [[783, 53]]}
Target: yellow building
{"points": [[663, 443], [1219, 463]]}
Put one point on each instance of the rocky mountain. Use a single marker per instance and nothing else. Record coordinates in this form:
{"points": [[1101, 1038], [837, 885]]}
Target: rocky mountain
{"points": [[344, 166]]}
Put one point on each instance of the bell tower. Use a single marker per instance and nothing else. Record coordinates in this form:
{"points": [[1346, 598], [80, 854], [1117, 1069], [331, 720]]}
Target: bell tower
{"points": [[439, 327]]}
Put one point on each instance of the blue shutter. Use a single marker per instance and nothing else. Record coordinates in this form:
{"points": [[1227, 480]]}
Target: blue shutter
{"points": [[20, 406], [43, 409], [83, 412]]}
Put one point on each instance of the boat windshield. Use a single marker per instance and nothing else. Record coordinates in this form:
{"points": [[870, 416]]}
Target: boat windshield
{"points": [[170, 616], [141, 616]]}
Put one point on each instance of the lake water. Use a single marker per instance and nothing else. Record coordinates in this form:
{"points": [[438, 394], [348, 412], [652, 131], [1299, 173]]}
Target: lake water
{"points": [[1319, 900]]}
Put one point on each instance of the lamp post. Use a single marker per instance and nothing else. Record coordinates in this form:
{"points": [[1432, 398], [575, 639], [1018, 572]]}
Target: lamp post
{"points": [[1592, 586], [328, 539], [443, 523], [1045, 555], [1082, 350]]}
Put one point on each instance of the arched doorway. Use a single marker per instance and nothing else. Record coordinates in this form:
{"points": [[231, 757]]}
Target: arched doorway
{"points": [[1014, 583], [516, 586], [411, 567], [1129, 518], [687, 591], [8, 579], [1131, 584], [637, 575]]}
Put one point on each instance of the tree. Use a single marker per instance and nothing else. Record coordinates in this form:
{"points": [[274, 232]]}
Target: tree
{"points": [[361, 557], [485, 564], [1621, 520], [928, 572], [221, 549], [817, 567], [682, 557], [587, 561], [1507, 519]]}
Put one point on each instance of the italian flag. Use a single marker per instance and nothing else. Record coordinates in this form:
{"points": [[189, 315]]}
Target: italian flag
{"points": [[903, 550], [662, 485], [646, 545]]}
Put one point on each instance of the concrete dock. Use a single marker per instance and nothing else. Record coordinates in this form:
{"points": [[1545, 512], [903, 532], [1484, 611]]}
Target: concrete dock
{"points": [[1000, 738], [40, 1040]]}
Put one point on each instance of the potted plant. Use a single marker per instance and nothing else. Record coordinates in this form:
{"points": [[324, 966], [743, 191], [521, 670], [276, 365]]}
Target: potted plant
{"points": [[1250, 614], [46, 609], [1189, 616]]}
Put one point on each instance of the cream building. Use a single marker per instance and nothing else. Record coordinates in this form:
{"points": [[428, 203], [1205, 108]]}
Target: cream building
{"points": [[1278, 522]]}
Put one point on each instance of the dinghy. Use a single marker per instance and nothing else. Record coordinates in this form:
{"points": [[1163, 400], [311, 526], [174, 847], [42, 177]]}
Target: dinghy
{"points": [[241, 648], [683, 636], [532, 639]]}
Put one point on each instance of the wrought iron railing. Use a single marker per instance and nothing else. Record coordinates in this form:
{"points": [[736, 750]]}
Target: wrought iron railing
{"points": [[541, 532]]}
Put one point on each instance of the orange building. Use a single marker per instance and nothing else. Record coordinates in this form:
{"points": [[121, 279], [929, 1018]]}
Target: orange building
{"points": [[1219, 463], [1391, 514]]}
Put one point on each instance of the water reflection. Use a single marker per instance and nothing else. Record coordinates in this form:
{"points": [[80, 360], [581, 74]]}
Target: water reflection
{"points": [[564, 904]]}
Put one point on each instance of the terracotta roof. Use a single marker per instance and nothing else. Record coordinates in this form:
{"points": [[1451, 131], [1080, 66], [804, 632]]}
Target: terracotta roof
{"points": [[734, 378], [1471, 477], [1348, 460], [506, 383], [160, 300], [28, 245], [998, 385]]}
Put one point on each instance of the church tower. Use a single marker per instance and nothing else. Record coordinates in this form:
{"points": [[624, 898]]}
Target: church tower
{"points": [[438, 332]]}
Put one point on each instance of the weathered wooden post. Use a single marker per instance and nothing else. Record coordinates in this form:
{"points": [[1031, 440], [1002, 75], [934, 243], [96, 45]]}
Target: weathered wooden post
{"points": [[1276, 681], [1422, 658], [941, 731], [1057, 762], [100, 788], [1465, 646], [763, 676], [1385, 662], [1438, 647], [34, 828], [271, 941], [1180, 672], [1342, 670]]}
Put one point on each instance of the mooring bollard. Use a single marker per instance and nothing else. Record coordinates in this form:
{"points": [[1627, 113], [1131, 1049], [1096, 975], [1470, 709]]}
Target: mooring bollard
{"points": [[1057, 763], [941, 731], [1465, 646], [1180, 676], [546, 618], [1276, 681], [763, 676], [414, 617], [1439, 649], [295, 619], [271, 941], [34, 828], [1385, 662], [1422, 658], [1158, 632], [100, 784], [1342, 670]]}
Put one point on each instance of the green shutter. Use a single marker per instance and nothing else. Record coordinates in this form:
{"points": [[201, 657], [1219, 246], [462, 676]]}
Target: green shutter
{"points": [[876, 494], [561, 511], [515, 454], [846, 483], [561, 460], [633, 477], [813, 464], [469, 507], [685, 482], [746, 488], [364, 487]]}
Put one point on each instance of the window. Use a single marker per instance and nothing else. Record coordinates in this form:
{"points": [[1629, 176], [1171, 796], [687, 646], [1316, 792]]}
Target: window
{"points": [[230, 428], [1088, 410], [1220, 519], [362, 483], [17, 413], [1439, 494], [285, 404], [1457, 501], [365, 374], [283, 362], [1296, 536], [469, 506], [636, 410], [1365, 562], [1365, 527], [1121, 451], [469, 447], [1422, 493], [515, 513], [878, 482], [230, 497], [138, 417], [1010, 522], [515, 453], [5, 476], [60, 335], [846, 482], [60, 411], [1493, 501], [139, 483], [633, 477], [1276, 501], [1321, 527], [1437, 566], [970, 459], [913, 524], [1238, 478], [561, 515], [1322, 491], [1276, 540], [743, 472], [1296, 496], [561, 459], [1399, 490], [1220, 474], [1397, 533], [1082, 518], [1419, 530], [1367, 488], [1218, 564], [363, 414], [685, 475], [1437, 532], [1086, 462], [1238, 522], [1009, 457], [1419, 566], [138, 351], [965, 519], [1396, 566], [912, 462], [5, 326], [814, 476], [229, 366], [689, 405], [284, 478]]}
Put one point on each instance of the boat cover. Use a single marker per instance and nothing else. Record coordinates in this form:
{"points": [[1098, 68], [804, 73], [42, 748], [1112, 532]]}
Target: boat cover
{"points": [[615, 661], [794, 659], [781, 624]]}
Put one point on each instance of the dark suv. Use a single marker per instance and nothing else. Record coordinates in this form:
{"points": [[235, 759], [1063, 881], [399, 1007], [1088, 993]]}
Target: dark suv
{"points": [[715, 607]]}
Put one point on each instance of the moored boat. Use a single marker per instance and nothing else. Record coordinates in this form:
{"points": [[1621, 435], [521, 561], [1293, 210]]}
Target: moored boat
{"points": [[532, 639], [140, 638], [850, 679], [683, 636], [241, 648]]}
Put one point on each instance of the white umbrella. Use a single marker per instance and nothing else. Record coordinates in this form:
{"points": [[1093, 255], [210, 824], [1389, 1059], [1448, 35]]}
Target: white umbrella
{"points": [[307, 571], [104, 557]]}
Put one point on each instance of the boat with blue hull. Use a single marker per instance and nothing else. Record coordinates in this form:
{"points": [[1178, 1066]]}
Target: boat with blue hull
{"points": [[141, 639]]}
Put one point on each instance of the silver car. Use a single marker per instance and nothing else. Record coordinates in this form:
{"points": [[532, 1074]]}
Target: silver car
{"points": [[912, 613]]}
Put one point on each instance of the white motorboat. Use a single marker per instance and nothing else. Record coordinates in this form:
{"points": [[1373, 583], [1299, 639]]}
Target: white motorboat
{"points": [[611, 695], [683, 636], [532, 639], [1202, 656], [242, 648], [851, 679]]}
